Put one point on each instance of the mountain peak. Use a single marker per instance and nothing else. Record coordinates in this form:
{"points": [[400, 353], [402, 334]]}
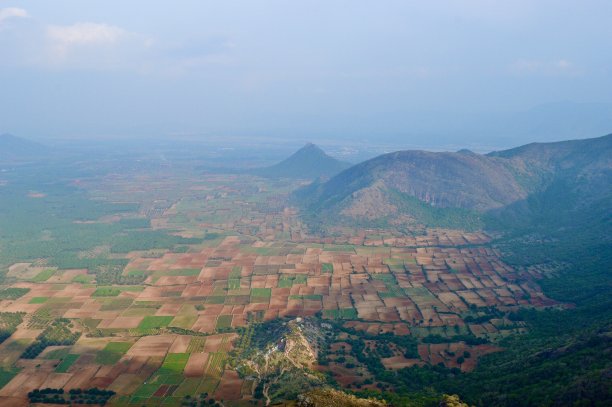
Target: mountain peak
{"points": [[310, 148], [309, 162]]}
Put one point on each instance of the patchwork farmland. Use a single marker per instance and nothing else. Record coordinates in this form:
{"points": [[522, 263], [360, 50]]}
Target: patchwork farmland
{"points": [[173, 320]]}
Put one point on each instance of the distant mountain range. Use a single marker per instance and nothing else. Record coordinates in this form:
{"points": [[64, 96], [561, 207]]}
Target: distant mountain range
{"points": [[309, 162], [455, 189], [17, 147]]}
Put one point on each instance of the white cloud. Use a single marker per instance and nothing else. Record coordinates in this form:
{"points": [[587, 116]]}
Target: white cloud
{"points": [[65, 43], [12, 12], [88, 45], [84, 34], [542, 67]]}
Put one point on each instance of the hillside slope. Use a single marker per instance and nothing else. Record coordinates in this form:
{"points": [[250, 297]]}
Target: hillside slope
{"points": [[415, 185], [17, 147]]}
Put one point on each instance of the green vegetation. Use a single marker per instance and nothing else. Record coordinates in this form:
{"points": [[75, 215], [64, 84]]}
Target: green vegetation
{"points": [[215, 299], [561, 360], [12, 293], [174, 363], [7, 374], [83, 279], [106, 292], [56, 334], [43, 276], [8, 323], [562, 230], [260, 295], [339, 248], [135, 223], [147, 240], [186, 317], [344, 313], [196, 345], [60, 353], [393, 288], [233, 284], [152, 322], [224, 322], [261, 292], [66, 363], [236, 272], [112, 352], [76, 396], [327, 268], [432, 216], [182, 272], [112, 273], [41, 319], [116, 304], [306, 297], [46, 227], [288, 280]]}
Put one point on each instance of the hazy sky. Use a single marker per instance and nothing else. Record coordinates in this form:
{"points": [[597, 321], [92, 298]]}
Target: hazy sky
{"points": [[410, 70]]}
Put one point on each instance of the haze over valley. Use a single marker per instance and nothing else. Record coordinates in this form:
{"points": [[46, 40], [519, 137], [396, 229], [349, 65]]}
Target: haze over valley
{"points": [[306, 204]]}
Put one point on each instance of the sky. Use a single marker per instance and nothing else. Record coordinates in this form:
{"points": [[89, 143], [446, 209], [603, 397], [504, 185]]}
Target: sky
{"points": [[453, 72]]}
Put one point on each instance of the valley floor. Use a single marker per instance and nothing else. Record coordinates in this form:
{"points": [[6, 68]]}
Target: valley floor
{"points": [[176, 319]]}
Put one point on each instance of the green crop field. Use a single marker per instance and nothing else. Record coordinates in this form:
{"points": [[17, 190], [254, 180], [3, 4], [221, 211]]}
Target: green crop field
{"points": [[183, 272], [233, 284], [196, 345], [60, 353], [174, 363], [339, 248], [152, 322], [138, 312], [306, 297], [208, 385], [215, 299], [38, 300], [7, 374], [83, 279], [145, 391], [344, 313], [261, 292], [106, 292], [40, 319], [327, 268], [112, 352], [184, 321], [288, 280], [224, 321], [43, 275], [12, 293], [116, 304], [188, 387], [236, 272], [66, 363], [216, 364]]}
